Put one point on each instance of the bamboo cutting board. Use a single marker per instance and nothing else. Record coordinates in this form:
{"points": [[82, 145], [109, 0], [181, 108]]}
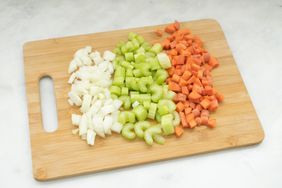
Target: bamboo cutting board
{"points": [[60, 154]]}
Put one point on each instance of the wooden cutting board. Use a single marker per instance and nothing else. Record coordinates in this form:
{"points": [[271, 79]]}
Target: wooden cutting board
{"points": [[60, 154]]}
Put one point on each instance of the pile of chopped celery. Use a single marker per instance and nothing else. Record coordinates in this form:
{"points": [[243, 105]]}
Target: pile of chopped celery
{"points": [[139, 82]]}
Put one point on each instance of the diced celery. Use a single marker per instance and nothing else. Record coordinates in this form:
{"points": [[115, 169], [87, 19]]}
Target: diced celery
{"points": [[129, 46], [140, 57], [115, 90], [140, 50], [135, 43], [122, 118], [162, 110], [152, 110], [118, 81], [159, 139], [160, 76], [130, 116], [126, 65], [147, 46], [169, 103], [128, 131], [119, 72], [125, 102], [164, 60], [140, 127], [120, 44], [145, 83], [176, 118], [124, 91], [147, 104], [113, 96], [137, 73], [123, 49], [131, 35], [140, 39], [156, 48], [167, 124], [157, 92], [117, 51], [129, 73], [140, 112], [129, 56], [150, 54], [158, 117]]}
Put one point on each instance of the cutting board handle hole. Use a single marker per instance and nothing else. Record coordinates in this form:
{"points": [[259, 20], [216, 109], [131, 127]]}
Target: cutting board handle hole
{"points": [[48, 104]]}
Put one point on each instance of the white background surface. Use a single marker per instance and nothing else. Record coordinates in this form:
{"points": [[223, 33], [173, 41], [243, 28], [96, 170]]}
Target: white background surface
{"points": [[254, 33]]}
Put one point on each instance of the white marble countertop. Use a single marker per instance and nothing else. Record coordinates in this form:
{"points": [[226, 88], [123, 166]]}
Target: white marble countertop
{"points": [[254, 33]]}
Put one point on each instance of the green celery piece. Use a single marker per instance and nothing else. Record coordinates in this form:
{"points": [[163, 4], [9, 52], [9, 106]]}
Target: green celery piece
{"points": [[128, 131], [130, 117], [140, 39], [117, 51], [147, 46], [169, 103], [167, 124], [129, 56], [176, 119], [126, 65], [157, 92], [140, 112], [158, 117], [147, 104], [140, 127], [150, 132], [140, 50], [125, 102], [118, 81], [119, 71], [152, 110], [145, 83], [129, 46], [135, 43], [115, 90], [156, 48], [162, 110], [131, 35], [122, 118], [150, 54], [154, 63], [159, 139], [140, 57], [170, 95], [164, 60], [124, 91], [137, 73], [113, 96], [129, 73], [160, 76], [123, 49]]}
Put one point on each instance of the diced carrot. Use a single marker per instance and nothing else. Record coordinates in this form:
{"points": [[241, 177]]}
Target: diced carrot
{"points": [[172, 44], [176, 25], [206, 57], [180, 107], [213, 62], [185, 90], [159, 32], [180, 59], [194, 95], [172, 52], [170, 29], [170, 71], [166, 44], [199, 107], [187, 110], [190, 117], [186, 75], [205, 113], [204, 120], [178, 72], [212, 123], [192, 105], [219, 97], [196, 112], [174, 86], [178, 131], [192, 123], [186, 104], [198, 120], [208, 90], [205, 103], [183, 119], [197, 88], [195, 67], [175, 78], [213, 105], [182, 82], [181, 97]]}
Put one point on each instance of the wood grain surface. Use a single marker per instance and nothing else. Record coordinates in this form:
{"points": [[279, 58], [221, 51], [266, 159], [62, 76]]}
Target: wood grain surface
{"points": [[60, 154]]}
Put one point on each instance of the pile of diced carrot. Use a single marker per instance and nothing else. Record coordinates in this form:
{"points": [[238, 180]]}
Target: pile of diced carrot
{"points": [[190, 77]]}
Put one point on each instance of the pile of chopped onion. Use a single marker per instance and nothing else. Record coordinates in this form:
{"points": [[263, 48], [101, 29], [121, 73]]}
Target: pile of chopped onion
{"points": [[90, 81]]}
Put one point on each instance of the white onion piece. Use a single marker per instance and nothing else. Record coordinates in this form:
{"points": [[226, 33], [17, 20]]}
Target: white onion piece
{"points": [[116, 127], [75, 119]]}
